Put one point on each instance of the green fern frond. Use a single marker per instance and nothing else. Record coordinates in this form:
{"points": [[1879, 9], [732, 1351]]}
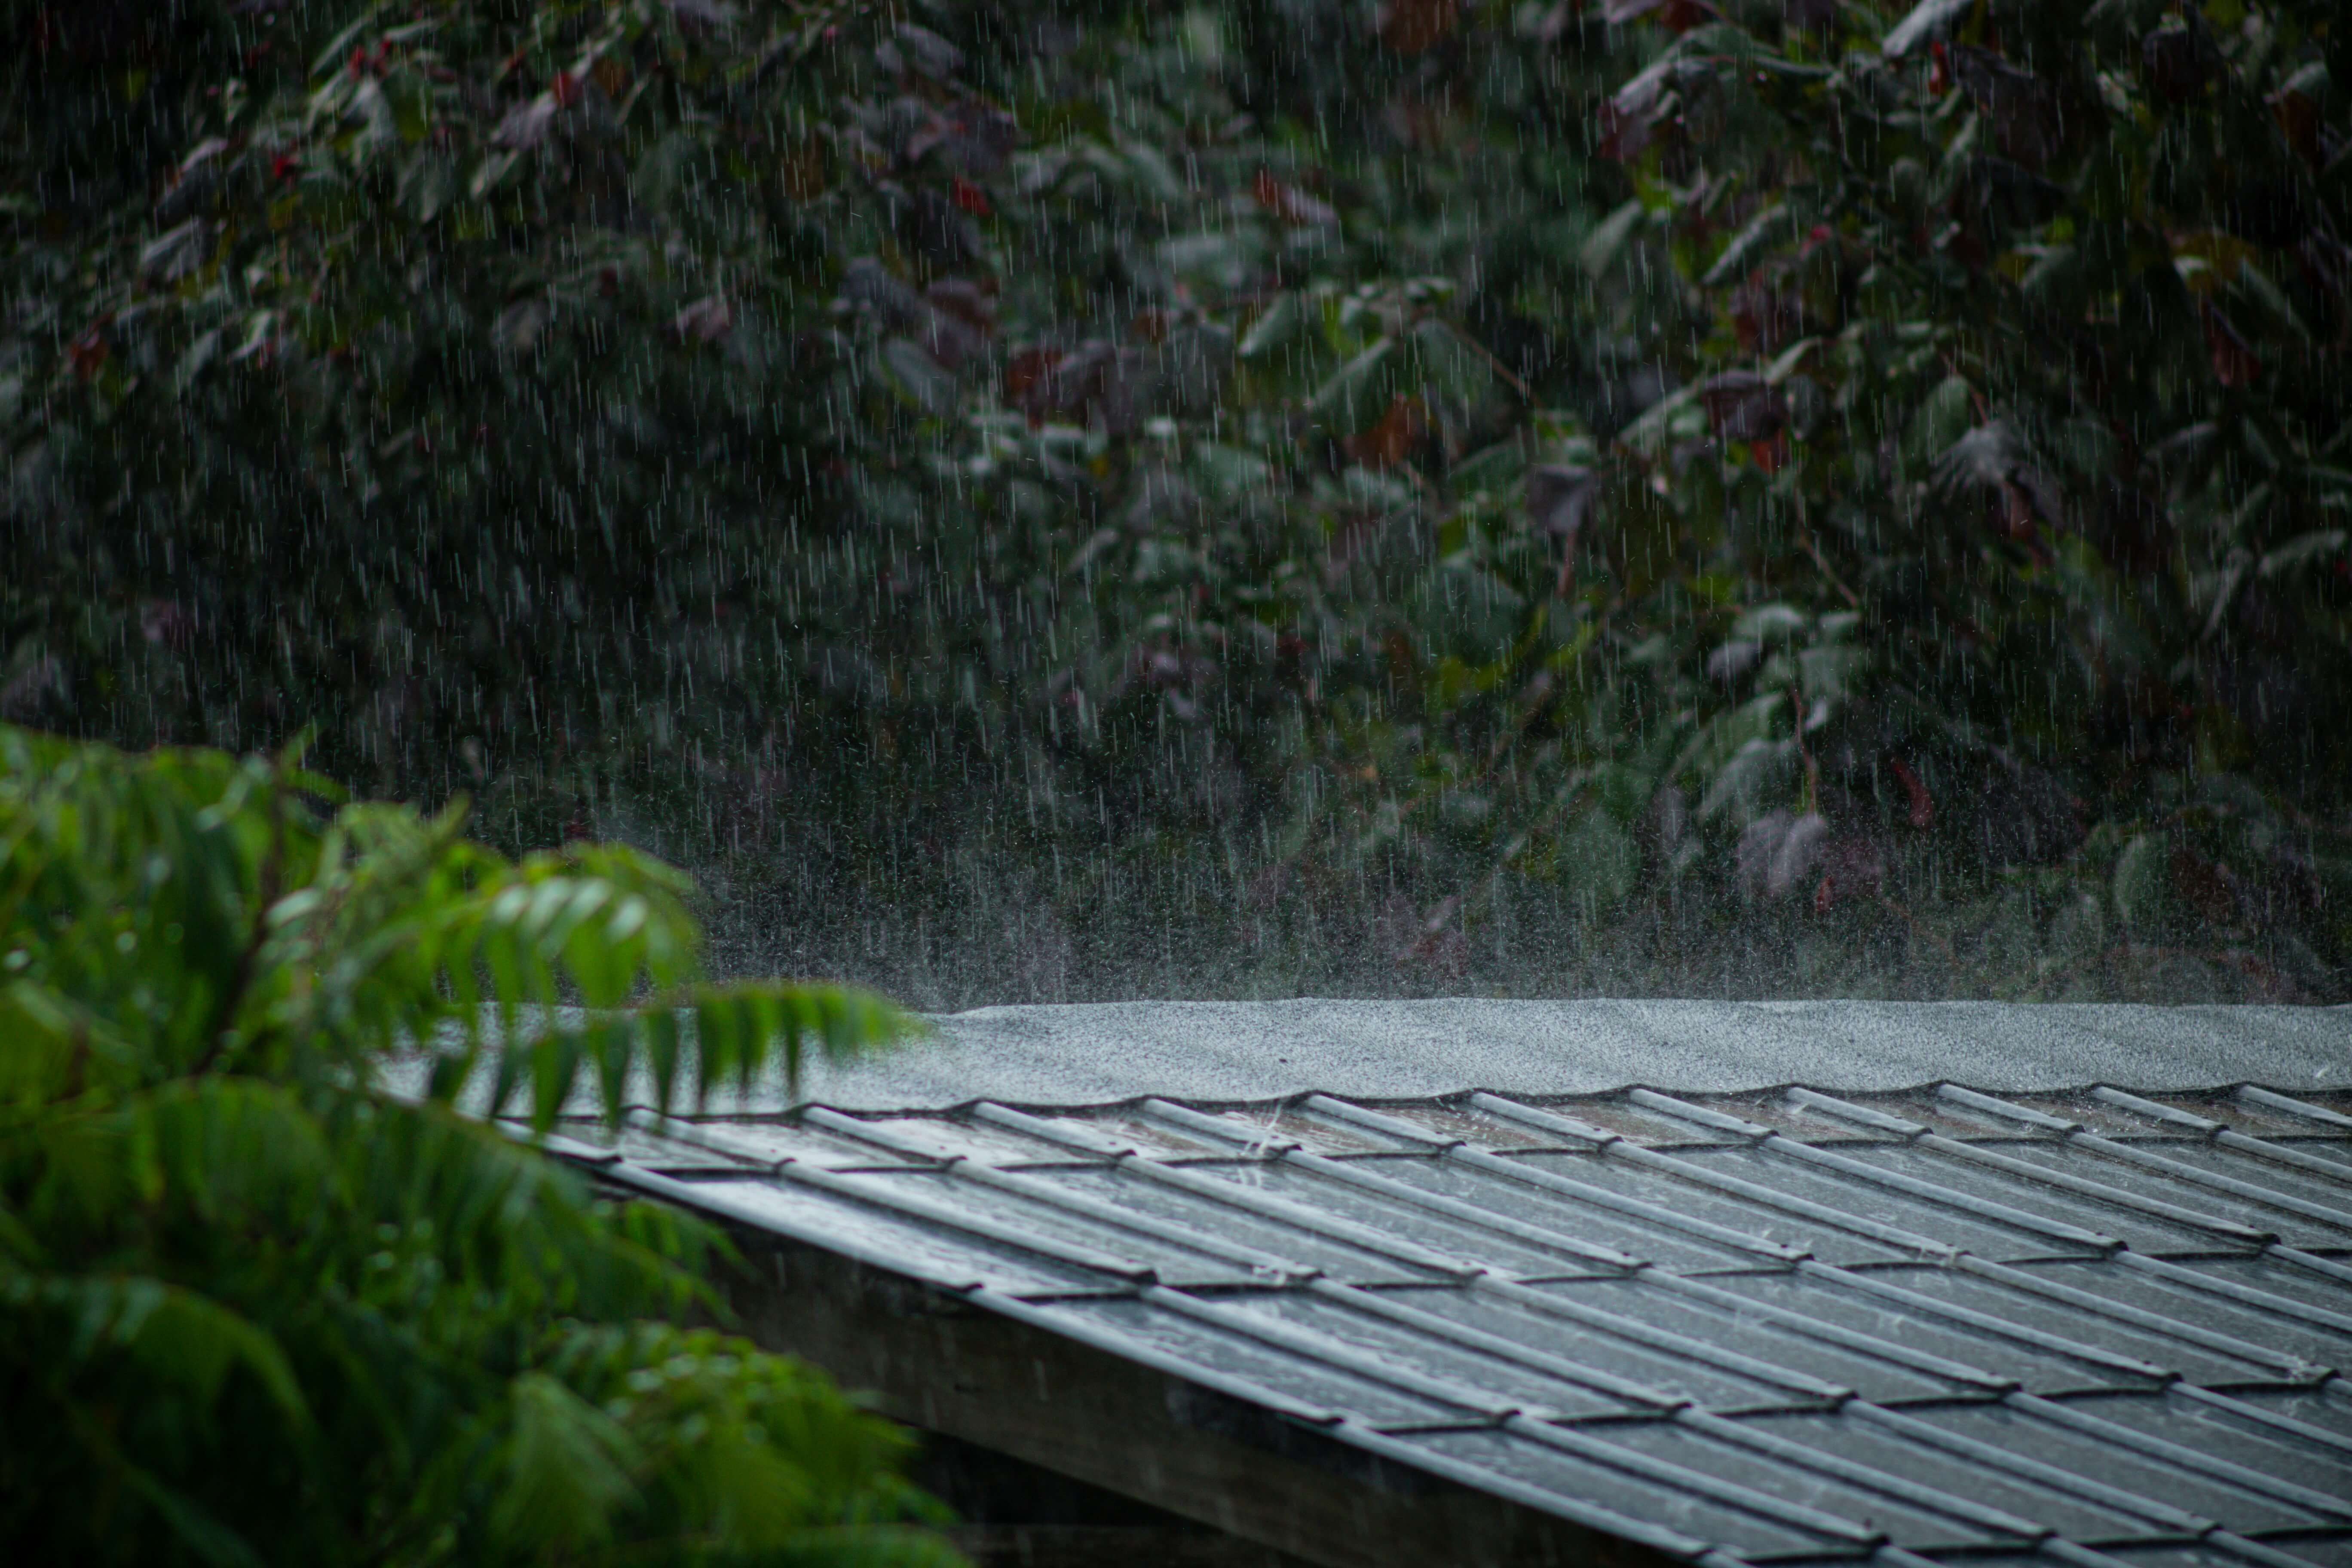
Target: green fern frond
{"points": [[261, 1308]]}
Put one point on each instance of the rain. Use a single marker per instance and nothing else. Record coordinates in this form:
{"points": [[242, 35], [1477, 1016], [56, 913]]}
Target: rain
{"points": [[1045, 502]]}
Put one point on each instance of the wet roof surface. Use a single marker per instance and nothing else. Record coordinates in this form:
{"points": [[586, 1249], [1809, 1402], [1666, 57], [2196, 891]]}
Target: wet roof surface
{"points": [[2092, 1326], [1089, 1053]]}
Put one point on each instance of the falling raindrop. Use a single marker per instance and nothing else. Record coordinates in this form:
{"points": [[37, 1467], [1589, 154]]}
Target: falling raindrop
{"points": [[1235, 499]]}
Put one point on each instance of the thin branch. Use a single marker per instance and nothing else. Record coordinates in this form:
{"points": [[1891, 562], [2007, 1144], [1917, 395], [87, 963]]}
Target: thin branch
{"points": [[1525, 394], [1853, 602]]}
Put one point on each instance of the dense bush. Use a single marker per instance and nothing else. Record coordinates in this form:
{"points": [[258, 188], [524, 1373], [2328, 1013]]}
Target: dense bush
{"points": [[1740, 495], [254, 1307]]}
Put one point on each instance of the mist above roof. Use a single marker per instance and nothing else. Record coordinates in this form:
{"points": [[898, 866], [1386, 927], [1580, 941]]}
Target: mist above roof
{"points": [[1097, 1053]]}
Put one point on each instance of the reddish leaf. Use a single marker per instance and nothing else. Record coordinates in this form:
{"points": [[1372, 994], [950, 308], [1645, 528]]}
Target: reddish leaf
{"points": [[88, 354], [2181, 62], [974, 137], [1025, 371], [1991, 464], [970, 197], [2235, 364], [1853, 866], [1767, 313], [1404, 665], [2017, 511], [1780, 853], [1392, 439], [803, 170], [2205, 886], [2327, 264], [1560, 500], [1964, 245], [2298, 120], [1623, 136], [565, 87], [705, 320], [1741, 405], [1415, 27], [1922, 804], [1770, 454], [1677, 16], [2023, 110], [1094, 383], [1290, 203], [934, 227]]}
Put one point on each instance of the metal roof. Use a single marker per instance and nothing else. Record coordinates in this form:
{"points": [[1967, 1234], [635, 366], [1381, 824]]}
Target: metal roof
{"points": [[2098, 1327], [1094, 1053]]}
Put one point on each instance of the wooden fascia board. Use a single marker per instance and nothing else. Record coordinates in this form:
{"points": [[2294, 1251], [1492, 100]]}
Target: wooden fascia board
{"points": [[936, 1359]]}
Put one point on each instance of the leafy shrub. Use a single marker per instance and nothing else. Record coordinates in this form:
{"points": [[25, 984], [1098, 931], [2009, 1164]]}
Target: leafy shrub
{"points": [[2016, 386], [1610, 475], [256, 1307]]}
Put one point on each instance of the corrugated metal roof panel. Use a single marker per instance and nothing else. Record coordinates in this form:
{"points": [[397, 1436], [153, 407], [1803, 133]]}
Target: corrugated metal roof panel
{"points": [[1734, 1518], [2325, 1551], [2095, 1327]]}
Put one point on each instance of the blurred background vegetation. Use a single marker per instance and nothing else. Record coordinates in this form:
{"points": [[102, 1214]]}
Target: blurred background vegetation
{"points": [[1054, 501]]}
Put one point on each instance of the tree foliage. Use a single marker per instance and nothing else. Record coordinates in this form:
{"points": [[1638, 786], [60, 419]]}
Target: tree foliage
{"points": [[1450, 472], [258, 1308]]}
